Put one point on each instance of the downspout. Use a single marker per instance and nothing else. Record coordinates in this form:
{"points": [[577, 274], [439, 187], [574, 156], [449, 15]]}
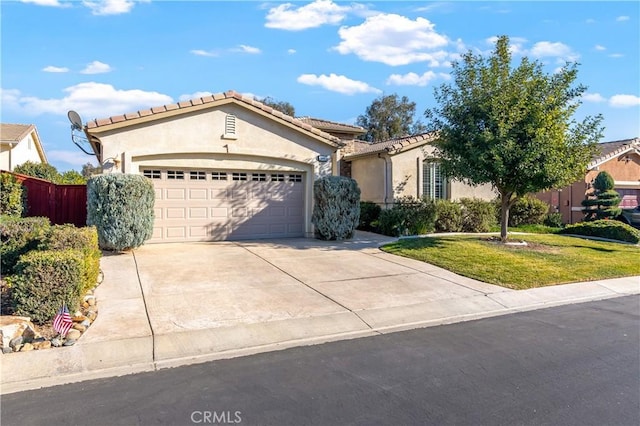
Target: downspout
{"points": [[386, 181]]}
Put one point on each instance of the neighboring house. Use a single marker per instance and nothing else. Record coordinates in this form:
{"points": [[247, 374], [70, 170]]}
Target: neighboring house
{"points": [[19, 143], [388, 170], [621, 159], [225, 167]]}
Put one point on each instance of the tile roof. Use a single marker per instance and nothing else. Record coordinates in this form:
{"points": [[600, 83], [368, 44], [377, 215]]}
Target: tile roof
{"points": [[213, 100], [14, 132], [328, 125], [392, 146], [608, 150]]}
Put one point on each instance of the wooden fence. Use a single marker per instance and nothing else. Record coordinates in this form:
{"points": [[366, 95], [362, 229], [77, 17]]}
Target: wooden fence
{"points": [[60, 203]]}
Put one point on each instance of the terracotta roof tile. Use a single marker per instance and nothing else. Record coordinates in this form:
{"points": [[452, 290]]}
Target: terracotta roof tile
{"points": [[328, 125], [145, 112], [171, 107], [117, 118], [103, 121], [207, 99], [131, 115], [196, 101], [218, 96], [390, 145], [184, 104], [158, 109]]}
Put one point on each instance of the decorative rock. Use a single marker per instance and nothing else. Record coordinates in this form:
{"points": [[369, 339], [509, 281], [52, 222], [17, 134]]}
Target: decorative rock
{"points": [[78, 326], [86, 323], [73, 334], [56, 342], [7, 350], [14, 326], [85, 305], [92, 301], [16, 343], [69, 342], [27, 347], [92, 315], [79, 318], [42, 345]]}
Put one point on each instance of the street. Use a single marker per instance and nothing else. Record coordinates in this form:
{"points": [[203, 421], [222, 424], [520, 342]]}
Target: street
{"points": [[570, 365]]}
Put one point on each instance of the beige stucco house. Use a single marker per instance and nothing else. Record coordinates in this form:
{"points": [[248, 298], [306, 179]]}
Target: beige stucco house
{"points": [[224, 167], [621, 159], [19, 143], [386, 171]]}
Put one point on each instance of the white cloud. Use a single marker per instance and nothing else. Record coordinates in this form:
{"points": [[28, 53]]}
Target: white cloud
{"points": [[90, 100], [590, 21], [96, 67], [74, 158], [413, 79], [51, 68], [247, 49], [622, 18], [394, 40], [288, 17], [111, 7], [616, 55], [52, 3], [547, 49], [624, 101], [291, 51], [209, 53], [337, 83], [194, 96], [593, 97], [599, 47]]}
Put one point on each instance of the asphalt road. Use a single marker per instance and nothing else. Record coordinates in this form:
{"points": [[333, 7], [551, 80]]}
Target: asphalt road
{"points": [[571, 365]]}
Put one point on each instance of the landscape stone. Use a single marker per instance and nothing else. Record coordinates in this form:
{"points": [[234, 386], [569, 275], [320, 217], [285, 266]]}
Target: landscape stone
{"points": [[69, 342], [92, 301], [27, 347], [78, 326], [56, 342], [92, 315], [73, 334], [14, 326], [86, 323], [42, 345], [7, 350], [15, 342]]}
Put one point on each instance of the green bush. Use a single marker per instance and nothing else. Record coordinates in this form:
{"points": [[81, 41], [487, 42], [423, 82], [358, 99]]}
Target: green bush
{"points": [[12, 196], [603, 201], [448, 216], [85, 240], [45, 280], [336, 209], [120, 206], [477, 215], [554, 220], [528, 210], [408, 216], [369, 216], [611, 229], [18, 235]]}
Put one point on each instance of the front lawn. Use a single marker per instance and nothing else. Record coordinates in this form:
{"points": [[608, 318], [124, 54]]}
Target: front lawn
{"points": [[546, 260]]}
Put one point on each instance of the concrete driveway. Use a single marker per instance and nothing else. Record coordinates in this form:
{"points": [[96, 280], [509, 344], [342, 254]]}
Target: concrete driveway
{"points": [[166, 305]]}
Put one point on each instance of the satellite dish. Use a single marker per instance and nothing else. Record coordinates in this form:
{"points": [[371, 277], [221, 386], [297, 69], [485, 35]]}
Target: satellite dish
{"points": [[76, 121], [79, 139]]}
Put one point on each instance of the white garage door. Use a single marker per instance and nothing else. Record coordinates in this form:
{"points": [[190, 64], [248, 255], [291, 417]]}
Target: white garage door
{"points": [[213, 205]]}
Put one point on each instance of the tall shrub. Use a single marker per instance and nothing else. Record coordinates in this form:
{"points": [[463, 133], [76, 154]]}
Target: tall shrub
{"points": [[120, 206], [448, 216], [603, 201], [408, 216], [477, 215], [18, 235], [336, 209], [528, 210], [369, 216], [12, 196]]}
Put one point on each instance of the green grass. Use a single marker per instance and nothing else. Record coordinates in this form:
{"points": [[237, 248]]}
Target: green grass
{"points": [[547, 260], [533, 229]]}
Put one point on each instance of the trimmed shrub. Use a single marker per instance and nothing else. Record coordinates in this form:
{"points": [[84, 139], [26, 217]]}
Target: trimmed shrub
{"points": [[336, 210], [45, 280], [477, 215], [369, 216], [611, 229], [603, 201], [85, 240], [408, 216], [120, 206], [18, 235], [554, 220], [12, 196], [528, 210], [448, 216]]}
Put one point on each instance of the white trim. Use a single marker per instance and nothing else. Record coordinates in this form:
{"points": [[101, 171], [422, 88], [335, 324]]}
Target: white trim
{"points": [[627, 183], [576, 209]]}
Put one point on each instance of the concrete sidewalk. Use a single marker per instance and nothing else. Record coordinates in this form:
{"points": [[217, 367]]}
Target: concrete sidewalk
{"points": [[167, 305]]}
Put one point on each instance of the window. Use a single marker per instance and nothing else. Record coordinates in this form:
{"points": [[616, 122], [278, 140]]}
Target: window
{"points": [[218, 176], [277, 178], [175, 174], [197, 176], [230, 127], [295, 178], [434, 184], [239, 176], [258, 177], [151, 174]]}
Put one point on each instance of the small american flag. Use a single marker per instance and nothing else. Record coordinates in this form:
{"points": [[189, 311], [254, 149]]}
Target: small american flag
{"points": [[62, 322]]}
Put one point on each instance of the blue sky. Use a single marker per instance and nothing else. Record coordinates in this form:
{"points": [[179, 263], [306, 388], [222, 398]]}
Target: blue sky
{"points": [[328, 59]]}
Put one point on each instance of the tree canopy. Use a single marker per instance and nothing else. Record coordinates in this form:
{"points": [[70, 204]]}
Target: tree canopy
{"points": [[389, 117], [512, 127], [48, 172], [282, 106]]}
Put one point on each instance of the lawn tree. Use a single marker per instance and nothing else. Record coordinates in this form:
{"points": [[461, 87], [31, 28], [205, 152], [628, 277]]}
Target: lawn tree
{"points": [[282, 106], [603, 201], [512, 127], [389, 117]]}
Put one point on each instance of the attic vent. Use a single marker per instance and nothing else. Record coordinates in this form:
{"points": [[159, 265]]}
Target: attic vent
{"points": [[230, 127]]}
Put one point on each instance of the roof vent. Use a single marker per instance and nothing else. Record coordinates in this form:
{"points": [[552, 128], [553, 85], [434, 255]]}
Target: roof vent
{"points": [[230, 127]]}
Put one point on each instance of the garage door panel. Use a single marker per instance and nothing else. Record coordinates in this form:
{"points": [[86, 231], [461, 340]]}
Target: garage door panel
{"points": [[210, 208]]}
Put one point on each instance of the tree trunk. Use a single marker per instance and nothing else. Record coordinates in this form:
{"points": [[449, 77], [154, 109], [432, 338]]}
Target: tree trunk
{"points": [[504, 214]]}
